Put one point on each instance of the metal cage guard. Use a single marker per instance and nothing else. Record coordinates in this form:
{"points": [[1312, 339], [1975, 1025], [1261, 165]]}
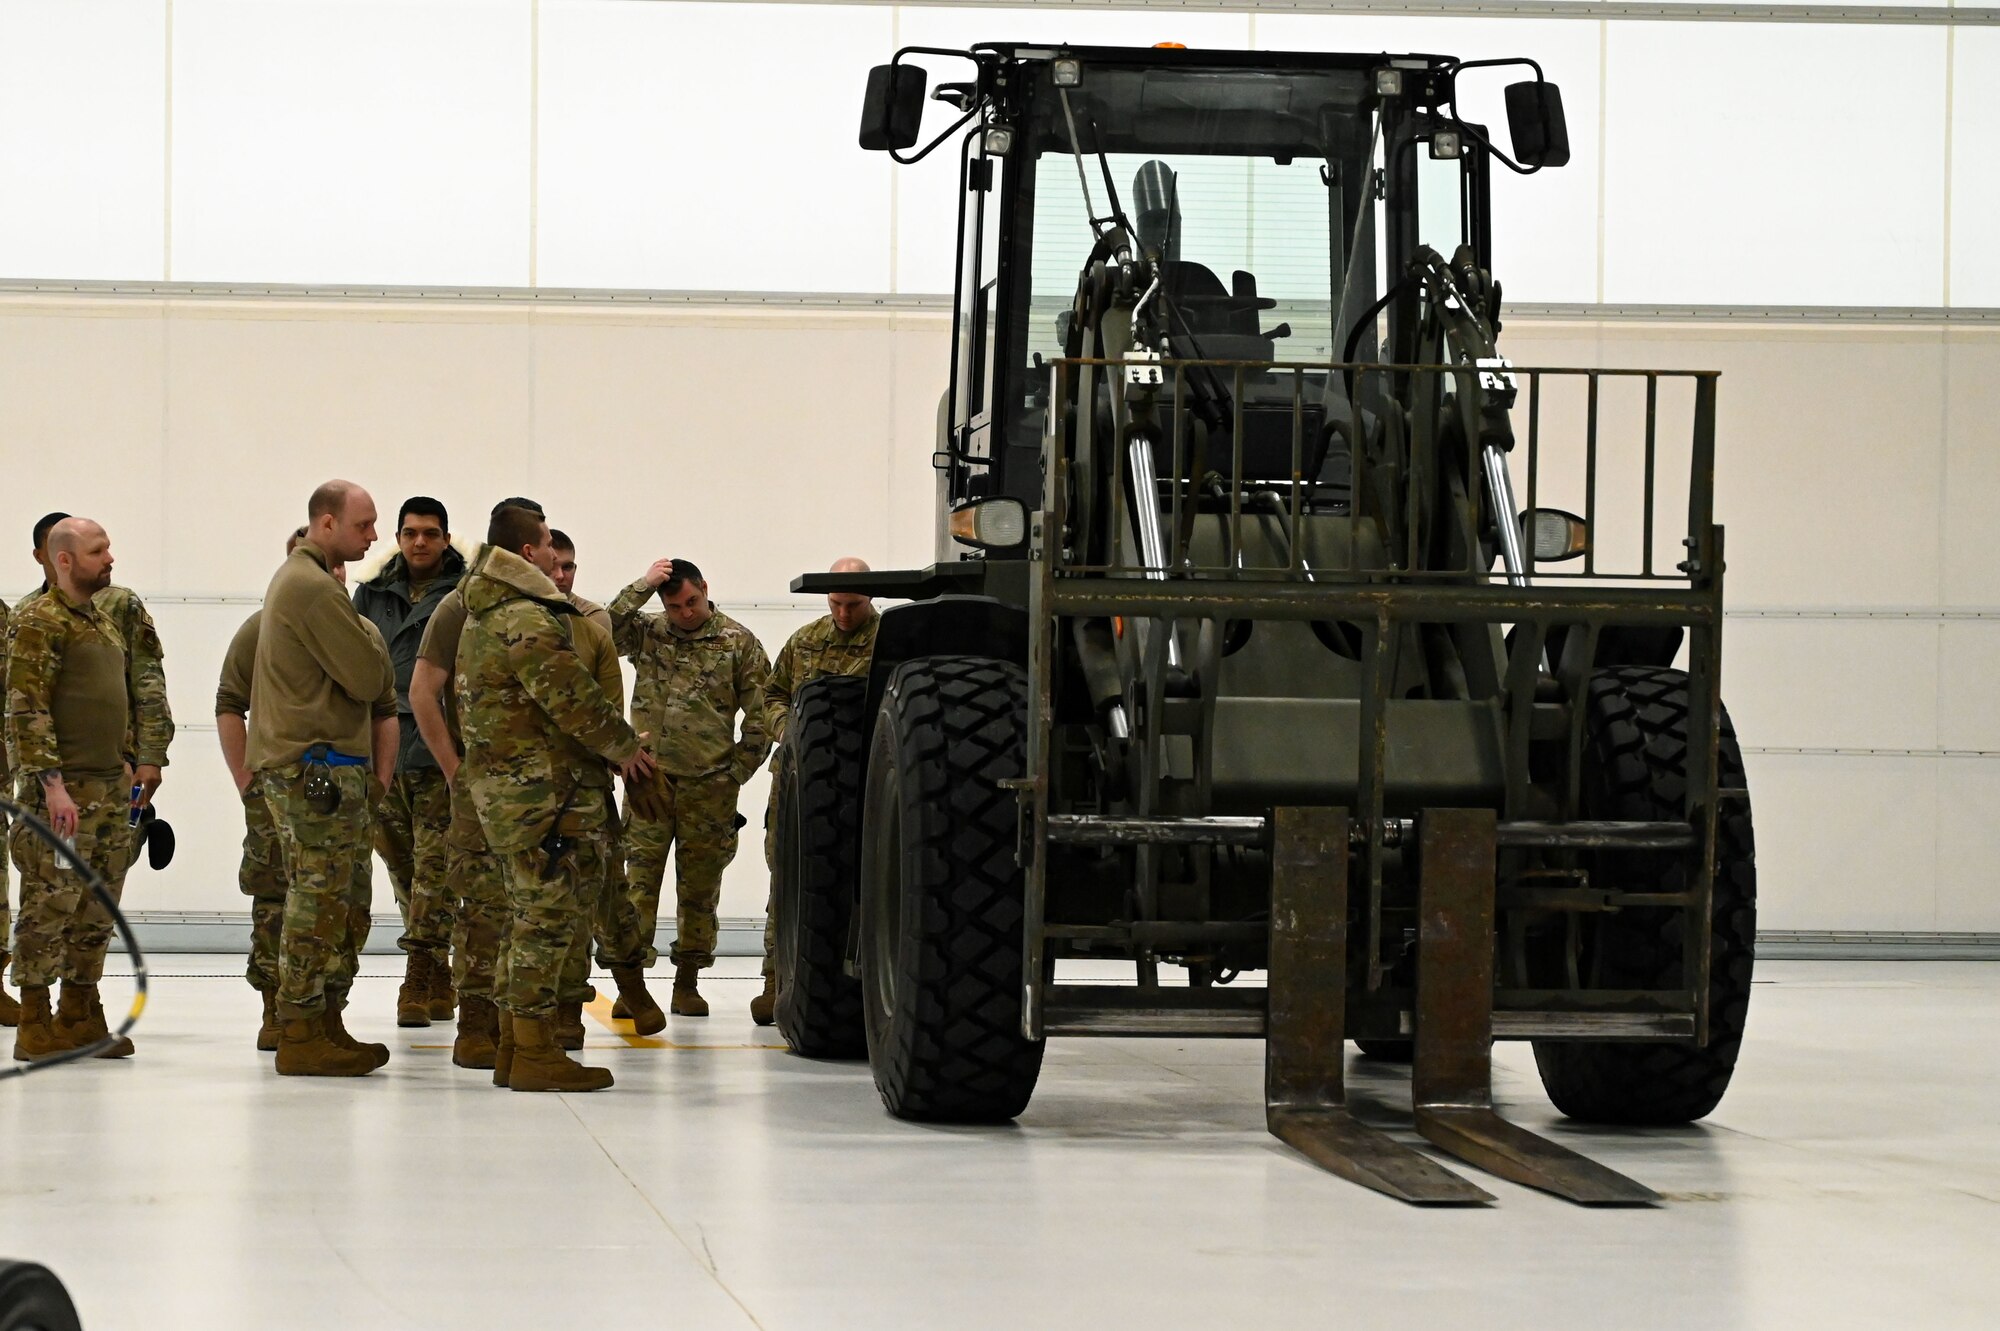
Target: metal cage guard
{"points": [[1299, 1015]]}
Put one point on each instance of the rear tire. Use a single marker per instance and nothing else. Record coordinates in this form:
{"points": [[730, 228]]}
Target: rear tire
{"points": [[32, 1299], [942, 895], [1635, 767], [818, 856]]}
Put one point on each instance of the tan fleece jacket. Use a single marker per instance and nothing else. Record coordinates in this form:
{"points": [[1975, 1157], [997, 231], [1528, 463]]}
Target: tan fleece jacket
{"points": [[321, 670]]}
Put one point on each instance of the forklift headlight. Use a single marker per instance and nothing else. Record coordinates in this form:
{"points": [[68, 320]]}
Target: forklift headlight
{"points": [[1388, 82], [999, 140], [1554, 535], [1068, 73], [991, 523]]}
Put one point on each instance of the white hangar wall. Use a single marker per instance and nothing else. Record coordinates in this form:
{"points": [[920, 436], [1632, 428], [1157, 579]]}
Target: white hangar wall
{"points": [[710, 146], [1857, 478], [153, 153]]}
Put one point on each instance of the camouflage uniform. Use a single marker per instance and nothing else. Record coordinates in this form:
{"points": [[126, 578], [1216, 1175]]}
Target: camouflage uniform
{"points": [[300, 704], [615, 924], [477, 882], [261, 874], [410, 832], [326, 920], [410, 836], [152, 720], [815, 651], [538, 730], [690, 688], [68, 710], [6, 783]]}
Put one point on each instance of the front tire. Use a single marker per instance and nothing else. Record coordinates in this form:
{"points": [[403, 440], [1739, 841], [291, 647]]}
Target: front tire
{"points": [[1635, 767], [818, 854], [942, 894], [32, 1299]]}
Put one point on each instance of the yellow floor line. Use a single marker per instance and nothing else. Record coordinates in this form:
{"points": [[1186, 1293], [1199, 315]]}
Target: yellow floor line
{"points": [[601, 1009]]}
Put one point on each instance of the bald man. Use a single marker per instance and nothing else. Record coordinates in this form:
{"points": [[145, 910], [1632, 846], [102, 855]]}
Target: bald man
{"points": [[839, 642], [152, 720], [67, 727], [322, 741]]}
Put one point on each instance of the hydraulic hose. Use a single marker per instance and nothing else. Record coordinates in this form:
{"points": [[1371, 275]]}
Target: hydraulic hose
{"points": [[95, 883]]}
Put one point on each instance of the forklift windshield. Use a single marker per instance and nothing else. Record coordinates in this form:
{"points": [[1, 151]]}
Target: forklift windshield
{"points": [[1244, 183]]}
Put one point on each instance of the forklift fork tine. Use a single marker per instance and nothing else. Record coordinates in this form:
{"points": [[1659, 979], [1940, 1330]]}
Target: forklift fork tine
{"points": [[1452, 1072], [1305, 1045]]}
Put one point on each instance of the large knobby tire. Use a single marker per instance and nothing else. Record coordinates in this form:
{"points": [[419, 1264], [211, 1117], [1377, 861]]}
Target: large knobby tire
{"points": [[942, 894], [32, 1299], [818, 855], [1635, 767]]}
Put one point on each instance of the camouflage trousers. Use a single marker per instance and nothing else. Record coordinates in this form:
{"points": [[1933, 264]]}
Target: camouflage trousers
{"points": [[63, 929], [479, 920], [772, 812], [410, 837], [549, 908], [329, 883], [6, 915], [700, 829], [482, 931], [261, 876]]}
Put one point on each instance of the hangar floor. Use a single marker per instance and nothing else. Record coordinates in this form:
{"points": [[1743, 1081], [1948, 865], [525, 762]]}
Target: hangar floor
{"points": [[1850, 1179]]}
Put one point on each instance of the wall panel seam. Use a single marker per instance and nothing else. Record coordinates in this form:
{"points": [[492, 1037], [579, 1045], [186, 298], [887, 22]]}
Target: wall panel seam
{"points": [[930, 303], [1641, 10], [1838, 751], [776, 602]]}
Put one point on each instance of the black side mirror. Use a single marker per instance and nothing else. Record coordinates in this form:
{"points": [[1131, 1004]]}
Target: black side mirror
{"points": [[893, 111], [1535, 119]]}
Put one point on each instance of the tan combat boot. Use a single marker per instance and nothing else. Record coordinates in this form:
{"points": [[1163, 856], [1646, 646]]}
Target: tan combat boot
{"points": [[442, 999], [763, 1006], [10, 1010], [80, 1021], [267, 1033], [539, 1065], [334, 1026], [413, 1000], [569, 1025], [305, 1051], [478, 1033], [635, 1003], [36, 1037], [687, 1000], [503, 1050]]}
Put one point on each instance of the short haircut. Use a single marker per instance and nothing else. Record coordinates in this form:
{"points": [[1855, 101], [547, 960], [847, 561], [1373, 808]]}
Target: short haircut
{"points": [[328, 500], [42, 528], [66, 538], [683, 571], [425, 505], [560, 540], [292, 541], [513, 527], [518, 502]]}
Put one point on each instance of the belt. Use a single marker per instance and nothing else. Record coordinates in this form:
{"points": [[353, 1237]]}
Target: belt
{"points": [[321, 753]]}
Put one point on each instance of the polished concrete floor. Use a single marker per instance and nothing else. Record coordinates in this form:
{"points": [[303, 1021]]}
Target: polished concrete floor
{"points": [[1851, 1179]]}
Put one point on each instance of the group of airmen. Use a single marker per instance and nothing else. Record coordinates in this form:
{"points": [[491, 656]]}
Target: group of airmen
{"points": [[462, 719]]}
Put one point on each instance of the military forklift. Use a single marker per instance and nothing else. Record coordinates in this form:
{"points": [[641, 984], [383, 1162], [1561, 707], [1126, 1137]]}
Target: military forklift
{"points": [[1242, 661]]}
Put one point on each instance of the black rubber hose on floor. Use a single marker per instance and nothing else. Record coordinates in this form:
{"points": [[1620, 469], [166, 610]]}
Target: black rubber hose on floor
{"points": [[103, 894]]}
